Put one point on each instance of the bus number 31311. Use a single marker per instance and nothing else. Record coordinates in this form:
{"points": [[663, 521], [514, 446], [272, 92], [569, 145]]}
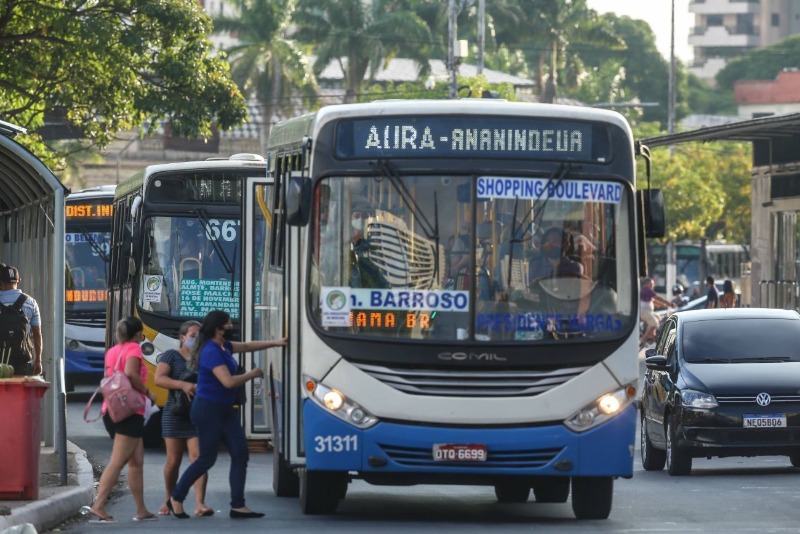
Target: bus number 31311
{"points": [[336, 443]]}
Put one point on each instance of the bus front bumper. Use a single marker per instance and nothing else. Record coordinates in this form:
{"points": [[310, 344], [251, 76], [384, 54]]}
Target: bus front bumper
{"points": [[394, 447]]}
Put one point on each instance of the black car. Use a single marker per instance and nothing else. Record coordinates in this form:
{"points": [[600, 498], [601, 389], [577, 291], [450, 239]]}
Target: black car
{"points": [[722, 383]]}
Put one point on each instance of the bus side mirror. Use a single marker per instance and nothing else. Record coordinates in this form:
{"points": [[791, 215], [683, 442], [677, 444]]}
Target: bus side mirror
{"points": [[652, 202], [298, 201]]}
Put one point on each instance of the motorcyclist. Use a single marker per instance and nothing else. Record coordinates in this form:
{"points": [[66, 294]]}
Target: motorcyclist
{"points": [[678, 298]]}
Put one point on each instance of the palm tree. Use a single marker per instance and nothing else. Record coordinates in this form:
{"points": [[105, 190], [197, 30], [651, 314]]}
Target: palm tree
{"points": [[360, 35], [266, 62], [567, 26]]}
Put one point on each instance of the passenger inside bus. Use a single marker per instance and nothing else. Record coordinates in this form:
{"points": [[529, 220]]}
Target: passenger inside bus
{"points": [[363, 271]]}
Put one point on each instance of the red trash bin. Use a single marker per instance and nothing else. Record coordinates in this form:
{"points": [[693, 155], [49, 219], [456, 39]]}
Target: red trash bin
{"points": [[20, 446]]}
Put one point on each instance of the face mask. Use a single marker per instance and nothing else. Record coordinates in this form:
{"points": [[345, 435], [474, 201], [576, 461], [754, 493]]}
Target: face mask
{"points": [[189, 342], [228, 334], [357, 224]]}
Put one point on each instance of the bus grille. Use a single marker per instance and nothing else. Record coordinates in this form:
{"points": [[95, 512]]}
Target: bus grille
{"points": [[471, 383], [519, 459]]}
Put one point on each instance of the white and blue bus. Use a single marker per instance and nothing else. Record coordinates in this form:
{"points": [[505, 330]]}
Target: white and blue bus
{"points": [[459, 284], [87, 249]]}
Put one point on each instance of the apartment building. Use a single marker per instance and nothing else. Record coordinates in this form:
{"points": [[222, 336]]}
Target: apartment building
{"points": [[725, 29]]}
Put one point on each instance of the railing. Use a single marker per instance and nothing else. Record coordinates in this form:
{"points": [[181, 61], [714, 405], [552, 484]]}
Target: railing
{"points": [[781, 294]]}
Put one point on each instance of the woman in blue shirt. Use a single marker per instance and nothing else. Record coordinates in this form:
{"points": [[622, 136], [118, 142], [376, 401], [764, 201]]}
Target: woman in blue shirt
{"points": [[213, 412]]}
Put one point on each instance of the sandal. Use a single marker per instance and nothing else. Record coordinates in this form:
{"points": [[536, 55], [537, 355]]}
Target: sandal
{"points": [[148, 517]]}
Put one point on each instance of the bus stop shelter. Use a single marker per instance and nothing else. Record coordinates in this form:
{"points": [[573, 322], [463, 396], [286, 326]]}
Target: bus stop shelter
{"points": [[32, 239], [775, 202]]}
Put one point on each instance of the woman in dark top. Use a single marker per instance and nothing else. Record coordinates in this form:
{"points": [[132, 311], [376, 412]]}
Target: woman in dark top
{"points": [[214, 414], [728, 298], [179, 432]]}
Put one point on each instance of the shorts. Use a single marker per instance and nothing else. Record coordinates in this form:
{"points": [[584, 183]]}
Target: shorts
{"points": [[649, 317], [133, 426]]}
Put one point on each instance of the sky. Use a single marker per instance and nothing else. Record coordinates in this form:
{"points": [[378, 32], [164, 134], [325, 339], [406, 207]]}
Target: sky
{"points": [[658, 14]]}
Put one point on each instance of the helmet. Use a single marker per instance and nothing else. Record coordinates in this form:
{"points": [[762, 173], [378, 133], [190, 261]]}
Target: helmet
{"points": [[677, 289]]}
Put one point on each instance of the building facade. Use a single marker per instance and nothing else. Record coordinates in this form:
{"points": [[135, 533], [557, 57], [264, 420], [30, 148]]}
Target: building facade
{"points": [[725, 29]]}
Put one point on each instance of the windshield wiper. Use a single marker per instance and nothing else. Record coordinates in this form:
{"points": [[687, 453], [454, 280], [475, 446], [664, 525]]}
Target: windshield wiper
{"points": [[95, 246], [774, 359], [558, 175], [710, 360], [431, 230], [203, 217]]}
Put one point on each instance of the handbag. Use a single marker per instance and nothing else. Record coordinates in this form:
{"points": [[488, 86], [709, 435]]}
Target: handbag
{"points": [[241, 392], [181, 403], [122, 401]]}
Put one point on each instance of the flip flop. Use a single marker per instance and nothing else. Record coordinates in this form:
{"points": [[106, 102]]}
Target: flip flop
{"points": [[96, 519], [150, 517]]}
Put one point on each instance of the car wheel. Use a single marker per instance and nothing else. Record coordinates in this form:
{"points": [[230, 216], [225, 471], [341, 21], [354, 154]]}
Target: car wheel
{"points": [[512, 491], [679, 463], [795, 459], [591, 497], [652, 459]]}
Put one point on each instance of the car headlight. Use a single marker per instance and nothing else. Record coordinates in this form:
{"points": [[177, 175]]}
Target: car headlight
{"points": [[601, 409], [698, 399], [335, 402]]}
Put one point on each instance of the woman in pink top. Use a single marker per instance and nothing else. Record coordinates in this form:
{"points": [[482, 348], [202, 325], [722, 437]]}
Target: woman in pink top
{"points": [[128, 445]]}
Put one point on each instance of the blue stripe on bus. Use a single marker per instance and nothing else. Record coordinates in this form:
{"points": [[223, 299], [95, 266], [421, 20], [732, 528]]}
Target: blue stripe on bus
{"points": [[333, 445]]}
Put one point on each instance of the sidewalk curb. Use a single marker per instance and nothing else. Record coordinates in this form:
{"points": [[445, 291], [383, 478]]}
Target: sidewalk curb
{"points": [[47, 513]]}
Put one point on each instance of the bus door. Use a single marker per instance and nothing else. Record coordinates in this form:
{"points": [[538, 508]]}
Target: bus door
{"points": [[256, 222]]}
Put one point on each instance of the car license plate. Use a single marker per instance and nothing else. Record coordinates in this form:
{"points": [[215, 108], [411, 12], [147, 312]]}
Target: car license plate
{"points": [[777, 420], [449, 452]]}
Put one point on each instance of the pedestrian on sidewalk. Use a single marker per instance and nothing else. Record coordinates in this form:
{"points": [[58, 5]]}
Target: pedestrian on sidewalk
{"points": [[128, 448], [178, 431], [22, 324], [214, 413]]}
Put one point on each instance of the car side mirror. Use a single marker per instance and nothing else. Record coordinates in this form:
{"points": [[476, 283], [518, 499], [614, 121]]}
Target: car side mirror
{"points": [[656, 363]]}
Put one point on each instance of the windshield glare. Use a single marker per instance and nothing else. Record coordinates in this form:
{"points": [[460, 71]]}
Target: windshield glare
{"points": [[416, 257], [188, 266], [86, 254]]}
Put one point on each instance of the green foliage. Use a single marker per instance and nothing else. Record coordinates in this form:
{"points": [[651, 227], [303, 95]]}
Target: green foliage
{"points": [[111, 65], [706, 190], [761, 63]]}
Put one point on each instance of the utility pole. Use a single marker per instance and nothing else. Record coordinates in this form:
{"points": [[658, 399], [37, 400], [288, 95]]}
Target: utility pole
{"points": [[451, 48], [671, 97], [481, 33]]}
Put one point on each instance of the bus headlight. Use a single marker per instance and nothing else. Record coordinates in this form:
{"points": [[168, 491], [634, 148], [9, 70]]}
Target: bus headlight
{"points": [[602, 409], [336, 403], [72, 344]]}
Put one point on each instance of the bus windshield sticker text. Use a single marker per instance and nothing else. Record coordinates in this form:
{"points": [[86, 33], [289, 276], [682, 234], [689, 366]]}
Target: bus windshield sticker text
{"points": [[151, 288], [456, 136], [198, 297], [540, 322], [537, 188], [388, 308]]}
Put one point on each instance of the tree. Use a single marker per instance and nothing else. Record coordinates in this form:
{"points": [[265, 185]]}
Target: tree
{"points": [[110, 65], [360, 36], [266, 62], [706, 186], [761, 63]]}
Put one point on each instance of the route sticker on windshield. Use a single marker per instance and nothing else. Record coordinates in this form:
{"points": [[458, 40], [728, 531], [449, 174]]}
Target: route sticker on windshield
{"points": [[335, 306], [152, 287], [494, 187]]}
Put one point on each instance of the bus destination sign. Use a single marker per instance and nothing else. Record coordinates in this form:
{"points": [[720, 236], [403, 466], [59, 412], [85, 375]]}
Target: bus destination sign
{"points": [[467, 137], [89, 210]]}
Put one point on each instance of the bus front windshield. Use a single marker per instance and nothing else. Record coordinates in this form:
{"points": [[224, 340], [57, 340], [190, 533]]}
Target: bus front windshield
{"points": [[486, 258], [87, 254], [190, 266]]}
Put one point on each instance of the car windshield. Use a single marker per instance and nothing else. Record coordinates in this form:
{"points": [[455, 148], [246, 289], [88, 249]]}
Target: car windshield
{"points": [[471, 258], [742, 340]]}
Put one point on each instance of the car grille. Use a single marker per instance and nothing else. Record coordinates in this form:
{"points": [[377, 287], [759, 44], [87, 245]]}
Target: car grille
{"points": [[471, 383], [751, 399], [419, 457]]}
